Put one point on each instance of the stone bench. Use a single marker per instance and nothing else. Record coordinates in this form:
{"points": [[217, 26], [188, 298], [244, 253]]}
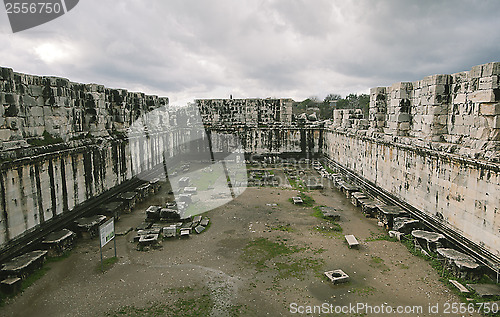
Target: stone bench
{"points": [[386, 214], [351, 241], [460, 287], [356, 196], [297, 200], [11, 285], [59, 242], [23, 265]]}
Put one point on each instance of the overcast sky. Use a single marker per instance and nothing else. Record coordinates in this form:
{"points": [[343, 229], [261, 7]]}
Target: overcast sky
{"points": [[190, 49]]}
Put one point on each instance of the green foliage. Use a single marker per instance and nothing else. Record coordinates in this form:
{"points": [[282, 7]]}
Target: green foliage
{"points": [[285, 228], [259, 251], [351, 101], [180, 302], [381, 237], [331, 97], [307, 201], [364, 291], [327, 168], [332, 229], [106, 264], [280, 259]]}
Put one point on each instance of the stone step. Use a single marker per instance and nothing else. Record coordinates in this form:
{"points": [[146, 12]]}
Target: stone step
{"points": [[460, 287]]}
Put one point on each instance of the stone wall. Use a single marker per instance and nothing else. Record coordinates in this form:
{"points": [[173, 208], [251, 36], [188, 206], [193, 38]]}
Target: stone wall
{"points": [[462, 110], [32, 105], [434, 144], [62, 143], [263, 126], [245, 112]]}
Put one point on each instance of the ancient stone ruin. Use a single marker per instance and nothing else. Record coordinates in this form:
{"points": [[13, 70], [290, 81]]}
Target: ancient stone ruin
{"points": [[431, 145]]}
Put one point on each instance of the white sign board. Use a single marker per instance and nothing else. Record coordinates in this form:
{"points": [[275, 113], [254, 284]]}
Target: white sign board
{"points": [[107, 231]]}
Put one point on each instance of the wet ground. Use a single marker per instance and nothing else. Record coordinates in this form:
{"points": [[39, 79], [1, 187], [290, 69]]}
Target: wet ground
{"points": [[255, 259]]}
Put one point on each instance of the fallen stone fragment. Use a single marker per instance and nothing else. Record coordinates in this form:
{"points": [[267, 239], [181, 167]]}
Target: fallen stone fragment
{"points": [[405, 225], [199, 229], [460, 264], [58, 242], [485, 290], [337, 276], [204, 222], [428, 240], [459, 286]]}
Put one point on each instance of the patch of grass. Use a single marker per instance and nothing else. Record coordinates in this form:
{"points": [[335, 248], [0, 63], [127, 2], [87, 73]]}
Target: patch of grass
{"points": [[106, 264], [376, 259], [282, 260], [297, 267], [380, 237], [378, 262], [403, 266], [63, 256], [327, 168], [27, 282], [319, 251], [293, 183], [318, 213], [285, 228], [329, 230], [259, 251], [364, 291], [308, 201], [180, 302]]}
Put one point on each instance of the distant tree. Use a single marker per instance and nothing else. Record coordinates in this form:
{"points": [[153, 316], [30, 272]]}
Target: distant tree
{"points": [[331, 97], [364, 103]]}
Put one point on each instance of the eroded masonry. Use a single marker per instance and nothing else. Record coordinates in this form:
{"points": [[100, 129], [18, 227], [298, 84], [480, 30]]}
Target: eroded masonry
{"points": [[432, 145]]}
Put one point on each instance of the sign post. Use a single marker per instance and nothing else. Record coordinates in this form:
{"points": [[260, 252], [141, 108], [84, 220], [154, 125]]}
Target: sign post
{"points": [[106, 234]]}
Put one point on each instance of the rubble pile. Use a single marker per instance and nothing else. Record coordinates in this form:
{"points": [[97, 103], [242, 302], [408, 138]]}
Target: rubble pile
{"points": [[397, 221]]}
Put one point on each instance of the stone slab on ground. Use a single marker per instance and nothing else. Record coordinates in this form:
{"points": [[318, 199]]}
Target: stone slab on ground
{"points": [[337, 276], [351, 240], [459, 286], [485, 290]]}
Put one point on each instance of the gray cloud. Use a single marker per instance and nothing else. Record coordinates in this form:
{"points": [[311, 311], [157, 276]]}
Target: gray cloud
{"points": [[283, 48]]}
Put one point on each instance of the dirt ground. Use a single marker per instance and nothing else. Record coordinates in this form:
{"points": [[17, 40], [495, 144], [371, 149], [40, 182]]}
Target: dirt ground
{"points": [[255, 259]]}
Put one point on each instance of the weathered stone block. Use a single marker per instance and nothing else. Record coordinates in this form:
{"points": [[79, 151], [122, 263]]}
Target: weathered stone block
{"points": [[5, 134], [460, 98], [489, 109], [11, 111], [35, 111], [47, 111], [437, 80], [436, 99], [491, 82], [403, 117], [404, 126], [35, 90], [493, 121], [482, 96], [402, 86], [491, 69], [476, 71], [378, 90]]}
